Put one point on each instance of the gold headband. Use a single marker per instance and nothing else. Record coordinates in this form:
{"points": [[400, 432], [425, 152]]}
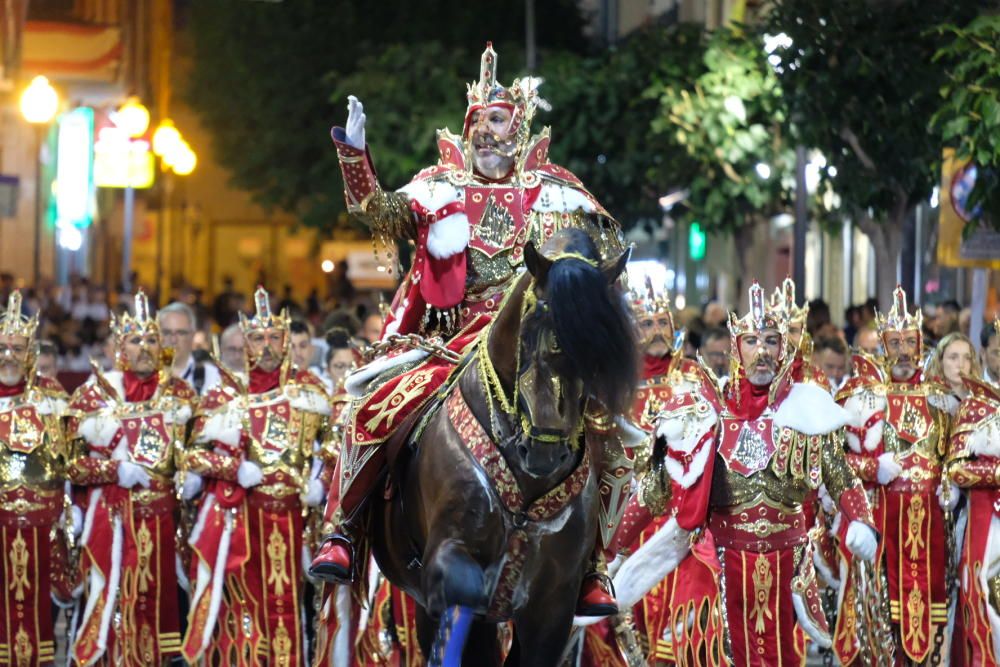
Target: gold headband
{"points": [[575, 255]]}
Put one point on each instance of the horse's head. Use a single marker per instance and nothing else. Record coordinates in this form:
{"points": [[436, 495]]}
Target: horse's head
{"points": [[576, 344]]}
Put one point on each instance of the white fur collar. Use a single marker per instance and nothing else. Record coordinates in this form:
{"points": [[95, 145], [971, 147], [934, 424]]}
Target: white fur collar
{"points": [[683, 432], [861, 406], [810, 409], [307, 399], [358, 380], [984, 440], [557, 198]]}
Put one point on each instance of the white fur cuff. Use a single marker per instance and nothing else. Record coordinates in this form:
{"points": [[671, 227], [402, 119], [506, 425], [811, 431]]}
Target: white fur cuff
{"points": [[224, 426], [448, 236], [98, 430]]}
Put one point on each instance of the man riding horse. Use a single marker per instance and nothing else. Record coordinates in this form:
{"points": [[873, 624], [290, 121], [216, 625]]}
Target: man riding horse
{"points": [[470, 217]]}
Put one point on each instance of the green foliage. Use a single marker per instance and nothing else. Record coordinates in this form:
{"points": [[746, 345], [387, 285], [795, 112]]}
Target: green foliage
{"points": [[263, 74], [601, 118], [860, 87], [969, 116], [728, 120]]}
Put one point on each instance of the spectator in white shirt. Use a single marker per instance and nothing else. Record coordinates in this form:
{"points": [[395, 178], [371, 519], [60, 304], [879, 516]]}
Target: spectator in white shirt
{"points": [[177, 327]]}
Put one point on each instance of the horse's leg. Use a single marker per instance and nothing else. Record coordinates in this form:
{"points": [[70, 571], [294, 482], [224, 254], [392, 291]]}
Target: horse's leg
{"points": [[542, 630], [452, 577], [426, 629]]}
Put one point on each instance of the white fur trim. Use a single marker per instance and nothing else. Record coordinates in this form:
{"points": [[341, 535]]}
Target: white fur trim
{"points": [[861, 407], [111, 598], [309, 400], [356, 381], [945, 402], [824, 569], [448, 236], [821, 638], [51, 406], [315, 495], [432, 194], [631, 436], [655, 559], [984, 440], [182, 579], [991, 567], [342, 638], [397, 318], [224, 426], [683, 433], [557, 198], [193, 484], [218, 578], [810, 409], [181, 415], [98, 430], [249, 474]]}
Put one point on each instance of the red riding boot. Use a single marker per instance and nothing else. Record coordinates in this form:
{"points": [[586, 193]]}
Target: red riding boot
{"points": [[596, 596], [335, 560]]}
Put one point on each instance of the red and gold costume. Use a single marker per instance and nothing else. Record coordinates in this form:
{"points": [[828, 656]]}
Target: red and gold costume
{"points": [[773, 446], [668, 383], [253, 444], [33, 557], [469, 233], [974, 466], [125, 425], [904, 423]]}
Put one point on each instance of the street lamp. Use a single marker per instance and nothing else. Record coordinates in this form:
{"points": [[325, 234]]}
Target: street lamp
{"points": [[133, 119], [39, 103], [176, 156]]}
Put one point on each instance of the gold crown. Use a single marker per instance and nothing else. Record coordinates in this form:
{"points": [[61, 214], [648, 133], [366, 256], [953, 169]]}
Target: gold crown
{"points": [[645, 301], [899, 318], [783, 300], [13, 323], [263, 318], [141, 322], [761, 316], [522, 96]]}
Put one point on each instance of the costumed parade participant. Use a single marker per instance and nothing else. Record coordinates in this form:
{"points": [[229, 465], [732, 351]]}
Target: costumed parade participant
{"points": [[253, 447], [974, 466], [470, 217], [668, 388], [775, 442], [897, 444], [129, 428], [33, 555]]}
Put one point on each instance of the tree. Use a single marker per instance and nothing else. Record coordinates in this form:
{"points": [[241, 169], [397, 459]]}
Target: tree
{"points": [[728, 121], [263, 73], [861, 87], [969, 117]]}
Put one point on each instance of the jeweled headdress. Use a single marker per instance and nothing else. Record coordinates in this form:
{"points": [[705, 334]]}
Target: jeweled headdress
{"points": [[783, 300], [13, 322], [263, 318], [762, 315], [899, 318], [141, 322], [646, 301], [521, 98]]}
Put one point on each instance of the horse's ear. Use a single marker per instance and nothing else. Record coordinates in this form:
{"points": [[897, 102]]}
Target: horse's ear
{"points": [[612, 268], [538, 265]]}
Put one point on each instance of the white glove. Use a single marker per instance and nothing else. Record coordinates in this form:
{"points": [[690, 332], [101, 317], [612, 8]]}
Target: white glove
{"points": [[77, 516], [954, 493], [315, 494], [862, 541], [130, 474], [192, 485], [249, 474], [888, 469], [354, 129]]}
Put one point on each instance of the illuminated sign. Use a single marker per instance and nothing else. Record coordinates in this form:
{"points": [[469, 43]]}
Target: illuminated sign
{"points": [[120, 161], [74, 186]]}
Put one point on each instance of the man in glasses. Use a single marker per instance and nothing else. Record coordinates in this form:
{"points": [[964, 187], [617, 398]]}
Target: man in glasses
{"points": [[177, 327]]}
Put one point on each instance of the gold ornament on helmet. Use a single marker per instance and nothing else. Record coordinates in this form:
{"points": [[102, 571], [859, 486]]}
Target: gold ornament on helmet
{"points": [[141, 322], [521, 99], [263, 318], [646, 301], [899, 318], [762, 316], [783, 300], [14, 323]]}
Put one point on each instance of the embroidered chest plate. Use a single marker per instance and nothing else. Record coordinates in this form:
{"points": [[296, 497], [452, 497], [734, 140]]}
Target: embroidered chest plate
{"points": [[21, 429], [747, 446], [148, 438], [269, 431], [497, 217], [650, 401], [910, 415]]}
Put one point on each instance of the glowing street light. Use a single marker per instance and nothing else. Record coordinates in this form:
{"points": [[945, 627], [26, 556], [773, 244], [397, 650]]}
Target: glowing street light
{"points": [[183, 161], [133, 117], [39, 101], [327, 266], [166, 139]]}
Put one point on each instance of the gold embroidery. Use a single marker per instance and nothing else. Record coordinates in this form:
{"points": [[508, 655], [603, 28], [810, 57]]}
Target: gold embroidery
{"points": [[277, 551], [19, 566], [389, 407], [282, 645], [22, 648], [915, 610], [763, 579], [915, 514], [496, 225], [911, 420], [24, 433], [762, 527], [144, 547], [146, 645]]}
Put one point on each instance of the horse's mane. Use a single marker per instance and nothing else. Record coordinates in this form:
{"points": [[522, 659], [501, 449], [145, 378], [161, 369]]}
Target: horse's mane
{"points": [[592, 325]]}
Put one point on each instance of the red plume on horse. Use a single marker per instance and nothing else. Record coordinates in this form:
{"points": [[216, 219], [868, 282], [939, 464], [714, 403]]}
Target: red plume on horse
{"points": [[491, 512]]}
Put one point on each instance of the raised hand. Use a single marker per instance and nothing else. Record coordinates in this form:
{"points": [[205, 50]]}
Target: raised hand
{"points": [[355, 126]]}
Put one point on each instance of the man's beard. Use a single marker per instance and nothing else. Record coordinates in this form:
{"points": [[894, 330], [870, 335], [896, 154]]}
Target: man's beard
{"points": [[760, 376], [267, 360], [11, 374], [657, 338], [903, 372]]}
